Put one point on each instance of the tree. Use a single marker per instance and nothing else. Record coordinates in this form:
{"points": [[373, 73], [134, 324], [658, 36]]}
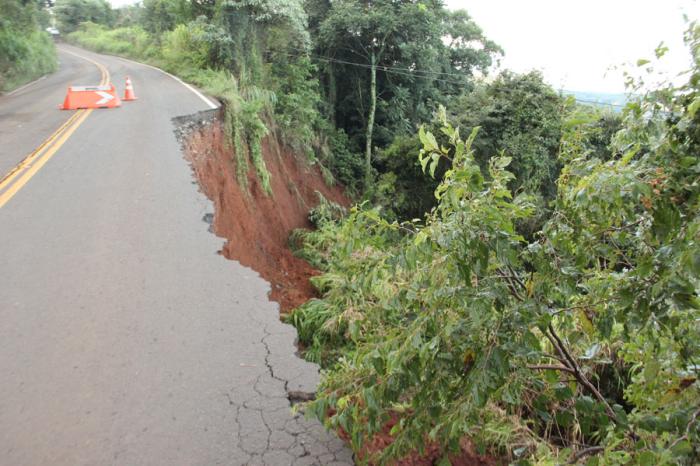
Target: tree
{"points": [[522, 116], [71, 13], [401, 40], [518, 115], [128, 15], [160, 16]]}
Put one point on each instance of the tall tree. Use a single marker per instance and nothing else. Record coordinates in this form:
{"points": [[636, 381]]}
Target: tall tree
{"points": [[520, 115], [368, 30], [380, 51], [70, 13], [163, 15]]}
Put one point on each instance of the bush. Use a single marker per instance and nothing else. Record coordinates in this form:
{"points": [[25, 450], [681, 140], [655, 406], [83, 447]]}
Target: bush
{"points": [[403, 189], [26, 52], [197, 45], [71, 13], [130, 41], [24, 58]]}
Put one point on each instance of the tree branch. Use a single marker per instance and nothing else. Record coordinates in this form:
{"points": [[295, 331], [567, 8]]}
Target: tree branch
{"points": [[686, 436], [582, 379], [516, 278], [553, 367], [511, 285], [585, 452]]}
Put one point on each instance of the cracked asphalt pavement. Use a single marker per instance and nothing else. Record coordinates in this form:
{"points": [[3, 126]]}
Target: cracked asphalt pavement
{"points": [[125, 339]]}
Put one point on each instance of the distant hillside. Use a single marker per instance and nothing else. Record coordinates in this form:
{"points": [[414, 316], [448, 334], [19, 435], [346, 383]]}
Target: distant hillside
{"points": [[617, 101]]}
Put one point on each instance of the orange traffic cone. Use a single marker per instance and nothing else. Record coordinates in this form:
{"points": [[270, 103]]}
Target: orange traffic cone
{"points": [[67, 101], [129, 91]]}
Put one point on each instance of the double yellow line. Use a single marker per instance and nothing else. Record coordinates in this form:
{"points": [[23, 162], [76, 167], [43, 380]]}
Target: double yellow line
{"points": [[12, 182]]}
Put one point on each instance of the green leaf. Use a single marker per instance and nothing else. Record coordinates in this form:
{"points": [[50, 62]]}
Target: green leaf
{"points": [[666, 219], [503, 162], [428, 140], [433, 165], [693, 107], [424, 159]]}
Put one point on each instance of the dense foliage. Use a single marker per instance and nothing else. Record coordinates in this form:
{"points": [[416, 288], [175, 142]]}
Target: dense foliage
{"points": [[517, 114], [413, 45], [578, 344], [71, 13], [26, 51]]}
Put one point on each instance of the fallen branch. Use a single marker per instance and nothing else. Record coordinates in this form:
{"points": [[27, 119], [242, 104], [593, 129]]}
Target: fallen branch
{"points": [[585, 452]]}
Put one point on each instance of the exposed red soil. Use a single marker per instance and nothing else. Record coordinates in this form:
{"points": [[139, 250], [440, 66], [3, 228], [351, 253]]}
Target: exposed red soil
{"points": [[257, 226], [432, 451]]}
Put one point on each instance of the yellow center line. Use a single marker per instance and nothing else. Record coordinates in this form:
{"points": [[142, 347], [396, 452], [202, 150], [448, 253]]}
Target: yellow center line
{"points": [[12, 190], [29, 159], [13, 181], [105, 73]]}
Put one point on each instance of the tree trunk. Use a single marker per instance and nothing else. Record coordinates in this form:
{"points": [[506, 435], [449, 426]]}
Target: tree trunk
{"points": [[332, 92], [370, 120]]}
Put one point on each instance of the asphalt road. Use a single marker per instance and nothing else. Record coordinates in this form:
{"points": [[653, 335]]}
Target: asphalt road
{"points": [[125, 338]]}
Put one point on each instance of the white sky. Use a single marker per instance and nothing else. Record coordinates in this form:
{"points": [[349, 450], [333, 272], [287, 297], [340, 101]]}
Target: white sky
{"points": [[118, 3], [575, 43]]}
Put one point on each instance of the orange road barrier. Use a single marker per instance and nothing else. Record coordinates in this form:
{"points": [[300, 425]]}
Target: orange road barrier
{"points": [[79, 97], [129, 91]]}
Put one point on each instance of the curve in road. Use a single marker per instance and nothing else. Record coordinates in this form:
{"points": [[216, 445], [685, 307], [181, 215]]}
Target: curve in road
{"points": [[124, 337]]}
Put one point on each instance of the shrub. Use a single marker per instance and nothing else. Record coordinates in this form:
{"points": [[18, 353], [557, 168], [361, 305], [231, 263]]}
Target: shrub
{"points": [[130, 41], [26, 52]]}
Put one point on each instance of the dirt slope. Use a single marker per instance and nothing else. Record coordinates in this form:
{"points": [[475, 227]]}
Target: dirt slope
{"points": [[255, 225]]}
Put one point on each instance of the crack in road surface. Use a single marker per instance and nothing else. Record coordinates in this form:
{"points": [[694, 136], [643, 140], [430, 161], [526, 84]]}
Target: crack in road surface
{"points": [[268, 431]]}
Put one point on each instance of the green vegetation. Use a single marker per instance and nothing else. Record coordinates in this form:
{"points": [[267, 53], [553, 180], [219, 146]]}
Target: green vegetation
{"points": [[579, 342], [71, 13], [401, 35], [519, 115], [521, 270], [26, 51]]}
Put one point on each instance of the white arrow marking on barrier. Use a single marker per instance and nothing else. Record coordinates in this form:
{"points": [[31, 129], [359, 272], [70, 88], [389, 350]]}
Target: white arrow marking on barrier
{"points": [[105, 98]]}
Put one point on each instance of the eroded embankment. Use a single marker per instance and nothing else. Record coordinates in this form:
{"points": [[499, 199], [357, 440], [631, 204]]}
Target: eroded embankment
{"points": [[256, 226]]}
